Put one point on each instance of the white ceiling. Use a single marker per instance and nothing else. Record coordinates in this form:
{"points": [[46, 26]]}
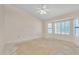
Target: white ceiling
{"points": [[55, 9]]}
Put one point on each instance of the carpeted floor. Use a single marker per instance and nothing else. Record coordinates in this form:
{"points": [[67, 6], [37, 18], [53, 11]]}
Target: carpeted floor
{"points": [[47, 47]]}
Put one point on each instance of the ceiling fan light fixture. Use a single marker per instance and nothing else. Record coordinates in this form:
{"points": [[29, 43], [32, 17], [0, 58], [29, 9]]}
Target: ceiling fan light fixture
{"points": [[43, 12], [43, 9]]}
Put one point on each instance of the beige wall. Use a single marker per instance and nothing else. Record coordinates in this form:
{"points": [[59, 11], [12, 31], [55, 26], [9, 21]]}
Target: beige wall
{"points": [[1, 28], [21, 25], [17, 26], [70, 37]]}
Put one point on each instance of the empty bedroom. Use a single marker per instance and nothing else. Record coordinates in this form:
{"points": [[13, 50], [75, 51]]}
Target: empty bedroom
{"points": [[39, 29]]}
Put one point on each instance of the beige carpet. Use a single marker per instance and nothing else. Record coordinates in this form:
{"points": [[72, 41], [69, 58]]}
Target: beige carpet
{"points": [[46, 47]]}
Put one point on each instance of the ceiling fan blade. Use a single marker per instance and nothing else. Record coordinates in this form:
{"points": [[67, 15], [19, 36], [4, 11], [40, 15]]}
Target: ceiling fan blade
{"points": [[43, 9]]}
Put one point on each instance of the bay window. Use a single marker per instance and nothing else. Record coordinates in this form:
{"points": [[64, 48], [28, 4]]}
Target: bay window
{"points": [[50, 27], [60, 27], [76, 26]]}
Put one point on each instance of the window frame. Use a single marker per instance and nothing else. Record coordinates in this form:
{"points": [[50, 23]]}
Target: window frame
{"points": [[54, 27]]}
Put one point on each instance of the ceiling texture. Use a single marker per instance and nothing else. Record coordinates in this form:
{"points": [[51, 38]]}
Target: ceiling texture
{"points": [[54, 9]]}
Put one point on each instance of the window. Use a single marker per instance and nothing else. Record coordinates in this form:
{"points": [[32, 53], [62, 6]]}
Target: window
{"points": [[60, 27], [50, 27], [67, 27], [57, 27], [76, 26]]}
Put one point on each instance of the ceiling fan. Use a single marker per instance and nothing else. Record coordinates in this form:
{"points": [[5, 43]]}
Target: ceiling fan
{"points": [[43, 9]]}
